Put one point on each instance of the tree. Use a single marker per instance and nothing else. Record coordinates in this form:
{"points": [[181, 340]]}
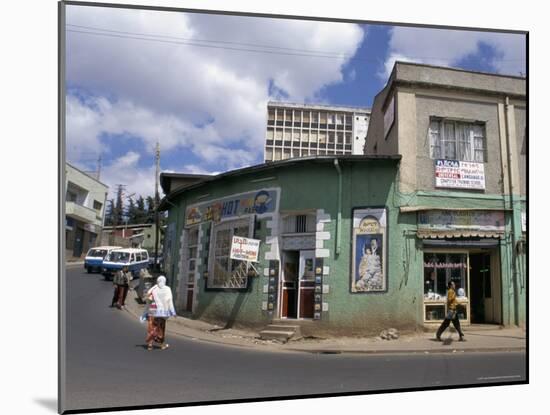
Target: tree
{"points": [[141, 213], [118, 211], [109, 212], [131, 212], [150, 209]]}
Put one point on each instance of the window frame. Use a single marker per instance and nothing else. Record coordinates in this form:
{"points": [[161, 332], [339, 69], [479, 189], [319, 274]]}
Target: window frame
{"points": [[222, 226], [438, 139]]}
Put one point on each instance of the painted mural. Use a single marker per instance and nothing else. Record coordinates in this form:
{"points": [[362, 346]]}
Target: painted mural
{"points": [[369, 251]]}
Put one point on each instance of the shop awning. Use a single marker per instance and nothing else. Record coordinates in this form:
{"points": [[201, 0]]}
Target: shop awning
{"points": [[456, 233]]}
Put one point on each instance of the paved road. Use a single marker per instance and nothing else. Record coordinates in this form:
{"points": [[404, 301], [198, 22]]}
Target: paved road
{"points": [[107, 365]]}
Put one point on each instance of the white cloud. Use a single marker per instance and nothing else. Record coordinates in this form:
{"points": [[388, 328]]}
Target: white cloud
{"points": [[448, 47], [211, 101]]}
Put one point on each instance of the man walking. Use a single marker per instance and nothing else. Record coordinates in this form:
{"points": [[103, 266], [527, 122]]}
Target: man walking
{"points": [[452, 315]]}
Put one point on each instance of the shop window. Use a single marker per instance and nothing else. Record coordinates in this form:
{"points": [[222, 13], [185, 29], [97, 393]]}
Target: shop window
{"points": [[191, 254], [224, 272], [439, 269], [456, 140]]}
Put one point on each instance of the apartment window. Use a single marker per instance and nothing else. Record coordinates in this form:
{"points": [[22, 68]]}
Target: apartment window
{"points": [[271, 116], [286, 153], [314, 119], [287, 134], [340, 138], [305, 135], [314, 136], [279, 134], [270, 134], [331, 137], [457, 140], [98, 205], [296, 135], [225, 272], [348, 138], [295, 152], [269, 154], [322, 137], [323, 118], [277, 154]]}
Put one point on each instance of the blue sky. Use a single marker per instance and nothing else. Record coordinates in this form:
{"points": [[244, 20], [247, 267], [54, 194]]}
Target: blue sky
{"points": [[199, 84]]}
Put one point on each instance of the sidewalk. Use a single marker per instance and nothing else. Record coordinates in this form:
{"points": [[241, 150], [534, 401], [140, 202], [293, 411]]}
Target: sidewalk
{"points": [[477, 339]]}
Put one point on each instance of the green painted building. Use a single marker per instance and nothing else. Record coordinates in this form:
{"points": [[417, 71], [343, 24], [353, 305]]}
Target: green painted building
{"points": [[316, 219]]}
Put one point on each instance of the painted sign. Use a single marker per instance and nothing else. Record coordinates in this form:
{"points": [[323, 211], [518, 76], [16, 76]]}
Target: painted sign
{"points": [[244, 249], [459, 174], [369, 249], [257, 202], [485, 220]]}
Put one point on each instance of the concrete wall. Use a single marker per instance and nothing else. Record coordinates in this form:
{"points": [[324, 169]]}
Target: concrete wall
{"points": [[96, 190], [376, 142], [521, 148], [458, 108]]}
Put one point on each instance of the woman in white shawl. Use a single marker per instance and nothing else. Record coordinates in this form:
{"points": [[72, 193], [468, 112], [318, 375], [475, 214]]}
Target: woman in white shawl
{"points": [[160, 308]]}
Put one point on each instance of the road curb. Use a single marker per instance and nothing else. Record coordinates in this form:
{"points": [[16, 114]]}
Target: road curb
{"points": [[412, 351], [197, 334]]}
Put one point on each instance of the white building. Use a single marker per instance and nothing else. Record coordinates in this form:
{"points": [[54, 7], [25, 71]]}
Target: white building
{"points": [[85, 199], [301, 130]]}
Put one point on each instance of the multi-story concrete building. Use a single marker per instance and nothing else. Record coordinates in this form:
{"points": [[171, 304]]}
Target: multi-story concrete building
{"points": [[300, 130], [85, 199], [462, 183]]}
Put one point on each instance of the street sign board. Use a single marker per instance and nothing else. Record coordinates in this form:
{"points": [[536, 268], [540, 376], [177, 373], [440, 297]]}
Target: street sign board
{"points": [[245, 249]]}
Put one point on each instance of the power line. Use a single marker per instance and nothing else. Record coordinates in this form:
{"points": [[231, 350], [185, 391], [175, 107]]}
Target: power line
{"points": [[206, 46], [193, 42], [339, 54]]}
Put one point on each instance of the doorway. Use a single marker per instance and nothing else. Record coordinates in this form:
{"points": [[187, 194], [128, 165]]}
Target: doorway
{"points": [[484, 288], [298, 284]]}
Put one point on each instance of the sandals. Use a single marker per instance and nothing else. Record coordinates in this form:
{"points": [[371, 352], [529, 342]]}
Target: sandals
{"points": [[149, 347], [164, 346]]}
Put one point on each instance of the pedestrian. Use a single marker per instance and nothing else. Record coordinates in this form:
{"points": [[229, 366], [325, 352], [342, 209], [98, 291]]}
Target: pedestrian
{"points": [[160, 307], [121, 281], [452, 315]]}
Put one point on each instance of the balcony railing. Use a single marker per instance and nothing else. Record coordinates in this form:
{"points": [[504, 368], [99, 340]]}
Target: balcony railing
{"points": [[81, 213]]}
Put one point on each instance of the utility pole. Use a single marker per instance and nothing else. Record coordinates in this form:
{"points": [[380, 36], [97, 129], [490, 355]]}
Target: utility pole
{"points": [[157, 230], [99, 168]]}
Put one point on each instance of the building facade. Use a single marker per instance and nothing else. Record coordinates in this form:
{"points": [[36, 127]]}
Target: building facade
{"points": [[330, 246], [85, 199], [295, 130], [462, 188]]}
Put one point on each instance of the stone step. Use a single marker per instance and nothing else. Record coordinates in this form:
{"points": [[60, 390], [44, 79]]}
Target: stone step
{"points": [[283, 327], [276, 335]]}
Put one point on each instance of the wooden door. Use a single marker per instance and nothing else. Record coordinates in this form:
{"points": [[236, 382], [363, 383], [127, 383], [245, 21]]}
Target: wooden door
{"points": [[306, 286], [289, 285]]}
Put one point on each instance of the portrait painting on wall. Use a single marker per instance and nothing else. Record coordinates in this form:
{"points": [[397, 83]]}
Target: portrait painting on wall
{"points": [[369, 249]]}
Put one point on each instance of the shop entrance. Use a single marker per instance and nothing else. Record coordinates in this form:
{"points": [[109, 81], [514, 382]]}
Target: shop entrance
{"points": [[298, 284], [484, 289]]}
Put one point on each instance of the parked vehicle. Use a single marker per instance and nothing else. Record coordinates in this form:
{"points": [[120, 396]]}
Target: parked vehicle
{"points": [[133, 258], [95, 256]]}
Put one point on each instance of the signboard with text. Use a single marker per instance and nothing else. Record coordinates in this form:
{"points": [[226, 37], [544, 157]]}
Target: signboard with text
{"points": [[485, 220], [459, 174], [251, 203], [244, 249]]}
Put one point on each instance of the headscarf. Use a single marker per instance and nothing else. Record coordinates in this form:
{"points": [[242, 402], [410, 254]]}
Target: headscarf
{"points": [[162, 297]]}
